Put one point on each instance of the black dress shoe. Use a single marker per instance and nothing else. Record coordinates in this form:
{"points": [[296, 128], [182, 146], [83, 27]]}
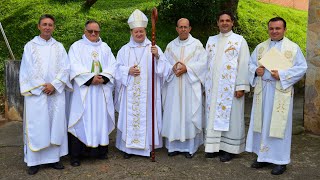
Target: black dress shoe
{"points": [[278, 169], [212, 155], [57, 165], [225, 157], [174, 153], [258, 165], [188, 155], [75, 162], [33, 170], [127, 156], [102, 157]]}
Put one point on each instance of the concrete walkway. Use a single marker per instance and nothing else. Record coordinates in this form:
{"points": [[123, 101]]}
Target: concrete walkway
{"points": [[305, 161]]}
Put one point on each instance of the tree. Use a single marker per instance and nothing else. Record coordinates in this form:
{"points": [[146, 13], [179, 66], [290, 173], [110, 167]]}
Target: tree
{"points": [[230, 5], [202, 14], [199, 12]]}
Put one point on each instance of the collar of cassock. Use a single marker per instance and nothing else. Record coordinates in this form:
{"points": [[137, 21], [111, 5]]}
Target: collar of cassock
{"points": [[277, 40], [226, 34], [38, 40], [134, 44], [274, 42], [87, 41], [185, 42]]}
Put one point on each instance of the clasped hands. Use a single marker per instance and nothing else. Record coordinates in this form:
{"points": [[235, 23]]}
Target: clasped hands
{"points": [[179, 68], [239, 94], [48, 89], [274, 73], [97, 79], [134, 71]]}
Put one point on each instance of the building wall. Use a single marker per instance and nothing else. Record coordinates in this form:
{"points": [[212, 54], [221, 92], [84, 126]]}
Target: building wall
{"points": [[296, 4], [312, 88]]}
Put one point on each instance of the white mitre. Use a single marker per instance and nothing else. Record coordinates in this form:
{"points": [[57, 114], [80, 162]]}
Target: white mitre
{"points": [[137, 19]]}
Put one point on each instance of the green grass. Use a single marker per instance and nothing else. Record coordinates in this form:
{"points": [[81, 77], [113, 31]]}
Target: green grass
{"points": [[19, 19], [253, 18]]}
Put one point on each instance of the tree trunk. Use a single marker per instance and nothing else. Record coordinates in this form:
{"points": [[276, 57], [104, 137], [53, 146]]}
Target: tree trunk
{"points": [[13, 99], [230, 5], [89, 3]]}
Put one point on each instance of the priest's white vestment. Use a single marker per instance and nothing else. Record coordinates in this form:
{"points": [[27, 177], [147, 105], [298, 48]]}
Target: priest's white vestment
{"points": [[45, 125], [228, 57], [91, 108], [270, 149], [133, 98], [183, 114]]}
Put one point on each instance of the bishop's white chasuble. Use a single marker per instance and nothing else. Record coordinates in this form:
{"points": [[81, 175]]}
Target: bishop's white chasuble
{"points": [[133, 99]]}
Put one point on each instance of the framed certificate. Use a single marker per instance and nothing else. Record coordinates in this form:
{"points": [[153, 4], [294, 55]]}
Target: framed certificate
{"points": [[275, 60]]}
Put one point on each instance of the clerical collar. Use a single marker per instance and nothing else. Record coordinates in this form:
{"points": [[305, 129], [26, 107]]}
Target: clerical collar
{"points": [[87, 41], [182, 42], [185, 42], [277, 40], [134, 44], [41, 39], [226, 34]]}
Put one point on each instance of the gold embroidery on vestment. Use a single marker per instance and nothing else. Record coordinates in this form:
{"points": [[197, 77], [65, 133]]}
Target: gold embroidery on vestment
{"points": [[288, 54]]}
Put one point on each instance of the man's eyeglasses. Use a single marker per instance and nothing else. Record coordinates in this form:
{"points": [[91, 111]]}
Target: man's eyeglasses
{"points": [[92, 31], [184, 27]]}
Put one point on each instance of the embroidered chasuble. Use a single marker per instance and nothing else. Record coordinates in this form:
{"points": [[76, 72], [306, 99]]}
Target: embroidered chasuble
{"points": [[182, 96], [45, 131], [91, 108]]}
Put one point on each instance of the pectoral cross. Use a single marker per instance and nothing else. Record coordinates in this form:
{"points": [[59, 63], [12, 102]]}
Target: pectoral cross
{"points": [[137, 79]]}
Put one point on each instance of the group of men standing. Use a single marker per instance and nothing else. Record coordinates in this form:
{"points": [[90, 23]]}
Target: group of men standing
{"points": [[199, 95]]}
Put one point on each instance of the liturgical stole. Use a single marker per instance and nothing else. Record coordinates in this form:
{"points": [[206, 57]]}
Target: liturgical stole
{"points": [[282, 97], [227, 79]]}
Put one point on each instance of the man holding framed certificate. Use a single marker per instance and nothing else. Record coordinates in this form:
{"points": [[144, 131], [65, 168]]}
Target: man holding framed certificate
{"points": [[275, 66]]}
